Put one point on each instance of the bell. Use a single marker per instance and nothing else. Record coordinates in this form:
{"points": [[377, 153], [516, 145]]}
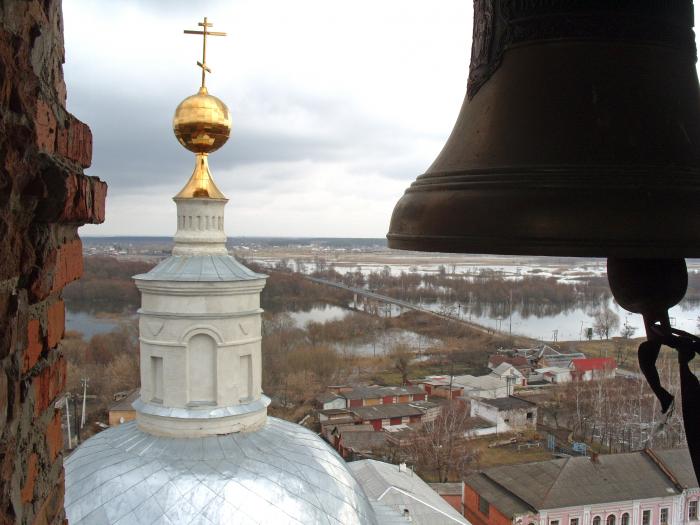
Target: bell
{"points": [[579, 136]]}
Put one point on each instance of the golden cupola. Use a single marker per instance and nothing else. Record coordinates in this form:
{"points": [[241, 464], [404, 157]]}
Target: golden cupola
{"points": [[202, 124]]}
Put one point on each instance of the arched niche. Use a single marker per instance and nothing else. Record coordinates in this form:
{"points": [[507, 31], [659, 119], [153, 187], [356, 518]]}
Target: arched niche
{"points": [[201, 369]]}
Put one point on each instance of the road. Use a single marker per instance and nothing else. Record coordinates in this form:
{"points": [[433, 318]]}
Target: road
{"points": [[403, 304]]}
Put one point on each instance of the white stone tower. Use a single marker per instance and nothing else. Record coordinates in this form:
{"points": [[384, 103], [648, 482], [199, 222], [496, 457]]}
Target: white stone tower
{"points": [[200, 316], [202, 449]]}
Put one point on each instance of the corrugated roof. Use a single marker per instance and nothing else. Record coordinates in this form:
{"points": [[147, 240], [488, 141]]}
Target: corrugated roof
{"points": [[447, 489], [506, 367], [678, 460], [401, 489], [594, 363], [200, 268], [363, 441], [388, 411], [370, 392], [508, 403], [506, 502], [125, 404], [487, 382]]}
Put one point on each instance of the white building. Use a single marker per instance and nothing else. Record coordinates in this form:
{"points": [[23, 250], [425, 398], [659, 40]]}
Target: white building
{"points": [[510, 374], [397, 493], [202, 449], [488, 386], [554, 374], [508, 414]]}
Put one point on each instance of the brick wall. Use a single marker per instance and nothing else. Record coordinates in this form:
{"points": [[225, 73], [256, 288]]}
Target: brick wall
{"points": [[475, 516], [44, 197]]}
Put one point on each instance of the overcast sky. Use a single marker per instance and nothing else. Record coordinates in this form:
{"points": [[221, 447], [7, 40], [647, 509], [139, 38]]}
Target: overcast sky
{"points": [[337, 106]]}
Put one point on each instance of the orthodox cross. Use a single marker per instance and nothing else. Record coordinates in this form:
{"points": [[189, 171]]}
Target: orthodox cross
{"points": [[204, 32]]}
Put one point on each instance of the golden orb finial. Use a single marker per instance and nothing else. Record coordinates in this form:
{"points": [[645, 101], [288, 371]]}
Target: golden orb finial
{"points": [[202, 124]]}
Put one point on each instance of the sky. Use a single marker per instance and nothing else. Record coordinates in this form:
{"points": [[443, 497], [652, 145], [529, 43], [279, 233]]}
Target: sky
{"points": [[337, 106]]}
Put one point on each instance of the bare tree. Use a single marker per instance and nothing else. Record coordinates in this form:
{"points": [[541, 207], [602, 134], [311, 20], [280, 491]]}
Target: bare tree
{"points": [[605, 321], [401, 356], [441, 446]]}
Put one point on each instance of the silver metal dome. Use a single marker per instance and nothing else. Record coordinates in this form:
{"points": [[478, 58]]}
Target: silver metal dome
{"points": [[282, 473]]}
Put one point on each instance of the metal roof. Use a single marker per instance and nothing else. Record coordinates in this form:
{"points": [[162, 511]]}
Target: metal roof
{"points": [[506, 502], [200, 268], [679, 462], [574, 481], [508, 403], [282, 473], [125, 403], [365, 392], [447, 489], [399, 488], [363, 441], [486, 382], [388, 411]]}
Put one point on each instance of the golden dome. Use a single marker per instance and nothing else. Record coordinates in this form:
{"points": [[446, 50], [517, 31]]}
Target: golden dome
{"points": [[202, 122], [201, 185]]}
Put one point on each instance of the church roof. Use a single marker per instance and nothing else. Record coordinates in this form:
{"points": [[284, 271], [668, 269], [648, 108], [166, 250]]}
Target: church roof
{"points": [[199, 268], [398, 488], [282, 473]]}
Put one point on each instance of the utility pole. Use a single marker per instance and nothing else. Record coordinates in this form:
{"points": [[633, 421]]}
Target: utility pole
{"points": [[510, 317], [75, 422], [84, 380], [70, 440]]}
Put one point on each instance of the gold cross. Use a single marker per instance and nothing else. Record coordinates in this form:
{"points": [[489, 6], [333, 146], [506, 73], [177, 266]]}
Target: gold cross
{"points": [[203, 64]]}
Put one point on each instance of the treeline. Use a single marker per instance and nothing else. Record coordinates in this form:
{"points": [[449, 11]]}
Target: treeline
{"points": [[483, 292], [106, 285], [109, 361], [289, 292]]}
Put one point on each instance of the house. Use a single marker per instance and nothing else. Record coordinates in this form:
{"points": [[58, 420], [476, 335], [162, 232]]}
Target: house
{"points": [[330, 400], [396, 492], [638, 488], [554, 374], [520, 362], [593, 368], [487, 386], [379, 416], [505, 414], [399, 435], [122, 411], [510, 374], [362, 396], [441, 386], [362, 443], [450, 492], [333, 421]]}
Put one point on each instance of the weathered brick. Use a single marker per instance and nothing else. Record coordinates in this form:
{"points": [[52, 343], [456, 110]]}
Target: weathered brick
{"points": [[56, 323], [34, 345], [75, 142], [51, 510], [27, 492], [48, 385], [69, 264], [45, 127], [44, 197], [54, 436]]}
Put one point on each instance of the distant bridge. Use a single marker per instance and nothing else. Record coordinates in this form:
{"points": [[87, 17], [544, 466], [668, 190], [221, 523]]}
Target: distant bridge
{"points": [[400, 303]]}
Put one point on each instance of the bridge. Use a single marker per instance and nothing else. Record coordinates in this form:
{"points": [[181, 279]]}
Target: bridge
{"points": [[400, 303]]}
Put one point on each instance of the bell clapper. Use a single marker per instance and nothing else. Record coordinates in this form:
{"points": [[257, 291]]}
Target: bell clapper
{"points": [[650, 287]]}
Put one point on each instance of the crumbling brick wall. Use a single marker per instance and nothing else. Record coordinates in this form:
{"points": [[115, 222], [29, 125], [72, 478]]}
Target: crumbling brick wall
{"points": [[44, 197]]}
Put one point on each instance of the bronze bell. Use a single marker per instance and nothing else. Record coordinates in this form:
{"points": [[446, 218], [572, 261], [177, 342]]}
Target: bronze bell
{"points": [[579, 136]]}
